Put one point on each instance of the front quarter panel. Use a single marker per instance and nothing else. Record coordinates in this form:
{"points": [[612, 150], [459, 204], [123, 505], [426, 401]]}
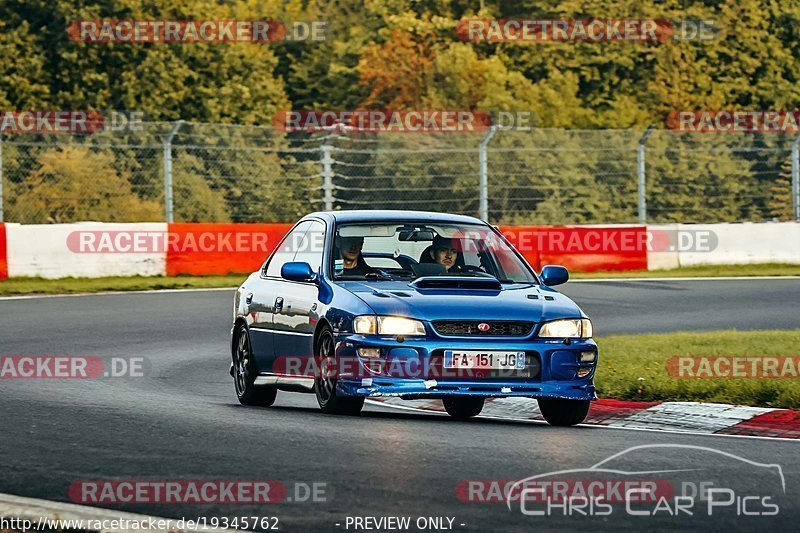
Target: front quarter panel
{"points": [[240, 307], [343, 308]]}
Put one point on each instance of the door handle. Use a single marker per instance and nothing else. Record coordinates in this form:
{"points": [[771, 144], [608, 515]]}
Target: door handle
{"points": [[278, 304]]}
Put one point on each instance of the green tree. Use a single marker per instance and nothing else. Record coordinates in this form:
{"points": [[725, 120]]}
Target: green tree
{"points": [[212, 82], [77, 184]]}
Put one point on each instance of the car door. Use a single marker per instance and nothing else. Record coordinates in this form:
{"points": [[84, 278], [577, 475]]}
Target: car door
{"points": [[264, 298], [295, 323]]}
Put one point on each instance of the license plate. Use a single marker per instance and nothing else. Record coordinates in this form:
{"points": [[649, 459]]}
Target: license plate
{"points": [[484, 360]]}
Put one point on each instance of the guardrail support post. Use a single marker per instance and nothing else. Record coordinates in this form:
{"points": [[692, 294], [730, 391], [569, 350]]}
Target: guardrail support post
{"points": [[167, 149], [484, 173], [795, 178], [642, 175], [327, 174]]}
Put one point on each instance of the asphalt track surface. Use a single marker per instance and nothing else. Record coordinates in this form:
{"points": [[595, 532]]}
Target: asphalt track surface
{"points": [[182, 421]]}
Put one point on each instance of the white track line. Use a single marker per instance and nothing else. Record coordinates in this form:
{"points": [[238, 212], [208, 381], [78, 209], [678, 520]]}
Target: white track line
{"points": [[706, 278], [112, 293], [231, 288]]}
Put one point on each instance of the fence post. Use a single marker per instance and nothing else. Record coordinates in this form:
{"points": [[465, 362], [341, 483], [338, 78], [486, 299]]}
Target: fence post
{"points": [[327, 174], [484, 173], [795, 178], [167, 148], [642, 175], [1, 176]]}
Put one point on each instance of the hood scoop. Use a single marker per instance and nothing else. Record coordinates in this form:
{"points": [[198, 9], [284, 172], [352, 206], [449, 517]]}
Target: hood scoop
{"points": [[456, 282]]}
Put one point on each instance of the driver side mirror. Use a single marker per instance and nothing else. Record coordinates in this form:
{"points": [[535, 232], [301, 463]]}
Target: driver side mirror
{"points": [[554, 275], [298, 271]]}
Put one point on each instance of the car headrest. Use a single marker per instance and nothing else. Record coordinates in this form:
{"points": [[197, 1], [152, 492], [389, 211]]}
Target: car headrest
{"points": [[426, 256]]}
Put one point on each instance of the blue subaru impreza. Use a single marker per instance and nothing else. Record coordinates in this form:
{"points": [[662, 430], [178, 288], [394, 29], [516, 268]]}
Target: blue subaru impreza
{"points": [[359, 304]]}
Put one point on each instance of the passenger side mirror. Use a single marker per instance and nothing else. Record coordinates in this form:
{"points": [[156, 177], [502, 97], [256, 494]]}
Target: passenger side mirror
{"points": [[554, 275], [297, 271]]}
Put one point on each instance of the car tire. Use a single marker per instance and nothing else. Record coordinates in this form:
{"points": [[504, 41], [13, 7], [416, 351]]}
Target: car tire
{"points": [[463, 408], [245, 373], [560, 412], [325, 386]]}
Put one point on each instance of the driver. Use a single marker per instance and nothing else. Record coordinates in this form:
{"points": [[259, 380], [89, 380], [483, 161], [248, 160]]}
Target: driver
{"points": [[353, 259], [445, 253]]}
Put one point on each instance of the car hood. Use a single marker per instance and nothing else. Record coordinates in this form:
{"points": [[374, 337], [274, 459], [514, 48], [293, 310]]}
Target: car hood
{"points": [[512, 302]]}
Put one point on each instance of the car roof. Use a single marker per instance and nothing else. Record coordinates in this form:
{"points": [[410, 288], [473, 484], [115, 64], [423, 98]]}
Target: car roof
{"points": [[384, 215]]}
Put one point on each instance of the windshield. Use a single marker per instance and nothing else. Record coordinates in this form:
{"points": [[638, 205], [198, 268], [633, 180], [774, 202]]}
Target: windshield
{"points": [[403, 250]]}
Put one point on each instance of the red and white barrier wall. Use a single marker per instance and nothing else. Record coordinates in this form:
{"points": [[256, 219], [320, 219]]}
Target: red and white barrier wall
{"points": [[147, 249], [3, 260], [251, 244], [733, 244], [51, 251]]}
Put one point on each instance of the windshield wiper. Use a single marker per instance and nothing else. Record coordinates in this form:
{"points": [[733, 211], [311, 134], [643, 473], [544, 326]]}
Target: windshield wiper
{"points": [[377, 275], [473, 274]]}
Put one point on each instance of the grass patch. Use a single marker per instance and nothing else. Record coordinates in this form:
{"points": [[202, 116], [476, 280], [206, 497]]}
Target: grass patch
{"points": [[14, 286], [633, 367], [764, 269]]}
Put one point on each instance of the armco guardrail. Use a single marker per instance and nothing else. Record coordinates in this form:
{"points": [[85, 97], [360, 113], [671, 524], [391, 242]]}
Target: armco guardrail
{"points": [[101, 249]]}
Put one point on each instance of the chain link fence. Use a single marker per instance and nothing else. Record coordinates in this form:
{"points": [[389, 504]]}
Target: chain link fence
{"points": [[189, 172]]}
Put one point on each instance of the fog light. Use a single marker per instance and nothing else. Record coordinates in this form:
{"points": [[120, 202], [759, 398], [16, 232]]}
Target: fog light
{"points": [[583, 372], [588, 357], [369, 352]]}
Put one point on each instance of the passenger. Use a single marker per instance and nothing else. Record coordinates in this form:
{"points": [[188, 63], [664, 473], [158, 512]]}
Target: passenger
{"points": [[353, 259], [445, 253]]}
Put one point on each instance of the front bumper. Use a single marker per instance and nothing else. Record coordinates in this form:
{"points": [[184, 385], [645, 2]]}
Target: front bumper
{"points": [[551, 369]]}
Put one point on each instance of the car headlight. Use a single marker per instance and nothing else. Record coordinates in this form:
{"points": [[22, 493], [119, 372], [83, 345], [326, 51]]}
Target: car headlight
{"points": [[387, 325], [573, 328], [366, 325]]}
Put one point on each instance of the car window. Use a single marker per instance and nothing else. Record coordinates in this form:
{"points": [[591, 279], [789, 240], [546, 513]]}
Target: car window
{"points": [[287, 249], [310, 247], [461, 249]]}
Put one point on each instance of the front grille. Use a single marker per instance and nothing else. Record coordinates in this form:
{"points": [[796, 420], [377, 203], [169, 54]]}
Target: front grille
{"points": [[469, 328]]}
